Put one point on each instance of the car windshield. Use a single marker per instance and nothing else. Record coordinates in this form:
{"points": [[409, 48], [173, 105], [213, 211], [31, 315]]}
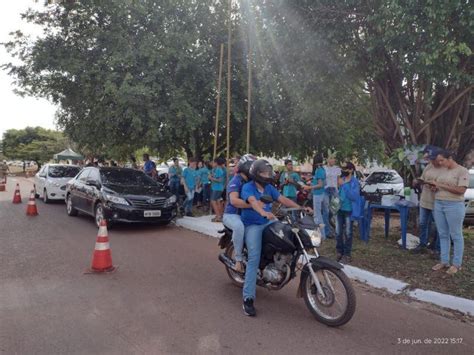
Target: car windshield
{"points": [[471, 181], [63, 171], [126, 177], [384, 177]]}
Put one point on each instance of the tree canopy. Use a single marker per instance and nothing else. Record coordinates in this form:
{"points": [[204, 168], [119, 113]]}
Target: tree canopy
{"points": [[326, 74], [32, 143]]}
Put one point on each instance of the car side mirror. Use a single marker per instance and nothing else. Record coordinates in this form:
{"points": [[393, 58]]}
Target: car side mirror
{"points": [[266, 199]]}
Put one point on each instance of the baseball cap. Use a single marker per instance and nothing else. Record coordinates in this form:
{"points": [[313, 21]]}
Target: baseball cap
{"points": [[432, 151]]}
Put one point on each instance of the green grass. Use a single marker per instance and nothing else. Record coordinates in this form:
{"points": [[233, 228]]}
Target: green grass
{"points": [[385, 257]]}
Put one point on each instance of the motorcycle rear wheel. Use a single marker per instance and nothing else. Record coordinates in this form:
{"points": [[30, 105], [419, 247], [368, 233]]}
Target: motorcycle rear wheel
{"points": [[236, 278], [318, 306]]}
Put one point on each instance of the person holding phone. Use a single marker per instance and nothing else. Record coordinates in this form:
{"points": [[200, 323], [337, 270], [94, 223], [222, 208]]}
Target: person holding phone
{"points": [[427, 197], [449, 211]]}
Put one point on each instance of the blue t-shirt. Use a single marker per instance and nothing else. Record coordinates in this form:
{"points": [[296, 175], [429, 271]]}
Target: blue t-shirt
{"points": [[319, 174], [249, 215], [204, 175], [148, 167], [219, 173], [289, 190], [175, 172], [234, 185], [190, 176]]}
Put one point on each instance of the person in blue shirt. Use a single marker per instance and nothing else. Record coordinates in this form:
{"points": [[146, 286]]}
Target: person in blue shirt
{"points": [[349, 193], [318, 184], [189, 180], [255, 220], [289, 181], [149, 167], [218, 180], [175, 172], [204, 184], [234, 206]]}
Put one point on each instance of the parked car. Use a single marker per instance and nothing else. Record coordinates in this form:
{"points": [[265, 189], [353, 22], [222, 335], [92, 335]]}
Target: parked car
{"points": [[469, 199], [385, 182], [51, 181], [119, 195]]}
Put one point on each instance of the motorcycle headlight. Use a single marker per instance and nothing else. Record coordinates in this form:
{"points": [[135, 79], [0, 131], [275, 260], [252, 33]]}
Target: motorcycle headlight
{"points": [[117, 199], [315, 237]]}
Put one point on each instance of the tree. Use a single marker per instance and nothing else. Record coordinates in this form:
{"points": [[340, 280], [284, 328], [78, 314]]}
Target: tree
{"points": [[32, 143], [414, 58], [126, 74]]}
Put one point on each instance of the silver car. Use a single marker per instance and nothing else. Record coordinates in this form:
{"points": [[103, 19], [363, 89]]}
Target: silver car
{"points": [[385, 181], [469, 199]]}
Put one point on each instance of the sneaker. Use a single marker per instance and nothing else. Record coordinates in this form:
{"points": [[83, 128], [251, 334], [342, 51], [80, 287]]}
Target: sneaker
{"points": [[189, 214], [338, 257], [249, 309], [420, 249]]}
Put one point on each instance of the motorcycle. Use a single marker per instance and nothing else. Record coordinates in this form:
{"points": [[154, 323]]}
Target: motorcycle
{"points": [[291, 245]]}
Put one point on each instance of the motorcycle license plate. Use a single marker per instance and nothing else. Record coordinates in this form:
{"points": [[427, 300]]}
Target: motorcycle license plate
{"points": [[152, 213]]}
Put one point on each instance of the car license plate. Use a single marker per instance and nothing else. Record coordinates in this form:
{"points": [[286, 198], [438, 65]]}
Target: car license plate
{"points": [[152, 213]]}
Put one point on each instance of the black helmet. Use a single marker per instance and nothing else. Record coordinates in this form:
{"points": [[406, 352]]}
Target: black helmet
{"points": [[262, 172], [245, 163]]}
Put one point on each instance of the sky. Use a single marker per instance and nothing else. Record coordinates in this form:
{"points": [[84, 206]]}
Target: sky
{"points": [[18, 112]]}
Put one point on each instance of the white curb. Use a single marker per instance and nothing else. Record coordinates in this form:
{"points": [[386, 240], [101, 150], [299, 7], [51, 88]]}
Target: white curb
{"points": [[458, 303], [205, 226], [375, 280]]}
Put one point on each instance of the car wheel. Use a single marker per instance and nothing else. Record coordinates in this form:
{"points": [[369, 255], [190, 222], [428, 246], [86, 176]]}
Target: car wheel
{"points": [[45, 196], [71, 211], [98, 214]]}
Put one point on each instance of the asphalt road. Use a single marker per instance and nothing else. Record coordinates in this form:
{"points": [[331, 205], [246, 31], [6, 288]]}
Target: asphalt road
{"points": [[170, 295]]}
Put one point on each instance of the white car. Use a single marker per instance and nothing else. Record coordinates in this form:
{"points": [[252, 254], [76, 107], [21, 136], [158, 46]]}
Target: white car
{"points": [[384, 181], [51, 181], [469, 199]]}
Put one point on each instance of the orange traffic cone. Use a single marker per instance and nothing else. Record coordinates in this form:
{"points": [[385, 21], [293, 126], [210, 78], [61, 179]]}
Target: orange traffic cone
{"points": [[17, 195], [102, 258], [31, 209]]}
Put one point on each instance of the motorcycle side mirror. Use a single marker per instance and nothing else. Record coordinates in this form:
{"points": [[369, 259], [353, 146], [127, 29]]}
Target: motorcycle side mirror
{"points": [[266, 199]]}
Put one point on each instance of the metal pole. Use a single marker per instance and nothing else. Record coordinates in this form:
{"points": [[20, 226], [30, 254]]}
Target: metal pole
{"points": [[249, 95], [216, 132], [229, 77]]}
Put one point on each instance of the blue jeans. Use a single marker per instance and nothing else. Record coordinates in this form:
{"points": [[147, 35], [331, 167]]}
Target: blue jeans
{"points": [[426, 217], [206, 193], [188, 203], [318, 207], [344, 233], [174, 188], [330, 193], [253, 241], [234, 222], [449, 216]]}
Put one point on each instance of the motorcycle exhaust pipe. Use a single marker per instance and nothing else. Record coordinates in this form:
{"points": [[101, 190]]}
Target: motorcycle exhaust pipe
{"points": [[226, 260]]}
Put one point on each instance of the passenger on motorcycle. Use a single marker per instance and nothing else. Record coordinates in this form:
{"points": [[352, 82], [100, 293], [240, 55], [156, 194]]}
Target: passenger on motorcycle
{"points": [[232, 218], [255, 220]]}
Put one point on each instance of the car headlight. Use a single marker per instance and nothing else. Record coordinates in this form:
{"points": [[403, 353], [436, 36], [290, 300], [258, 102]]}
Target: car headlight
{"points": [[116, 199], [471, 203], [170, 201], [315, 237]]}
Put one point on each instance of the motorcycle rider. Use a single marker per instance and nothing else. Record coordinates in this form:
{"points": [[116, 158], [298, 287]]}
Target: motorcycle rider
{"points": [[255, 220], [231, 217]]}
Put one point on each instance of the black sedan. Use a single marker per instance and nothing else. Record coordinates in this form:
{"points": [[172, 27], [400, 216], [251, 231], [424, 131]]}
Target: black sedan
{"points": [[119, 195]]}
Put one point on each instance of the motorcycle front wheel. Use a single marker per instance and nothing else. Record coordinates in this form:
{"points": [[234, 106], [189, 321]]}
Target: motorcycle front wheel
{"points": [[236, 278], [338, 304]]}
